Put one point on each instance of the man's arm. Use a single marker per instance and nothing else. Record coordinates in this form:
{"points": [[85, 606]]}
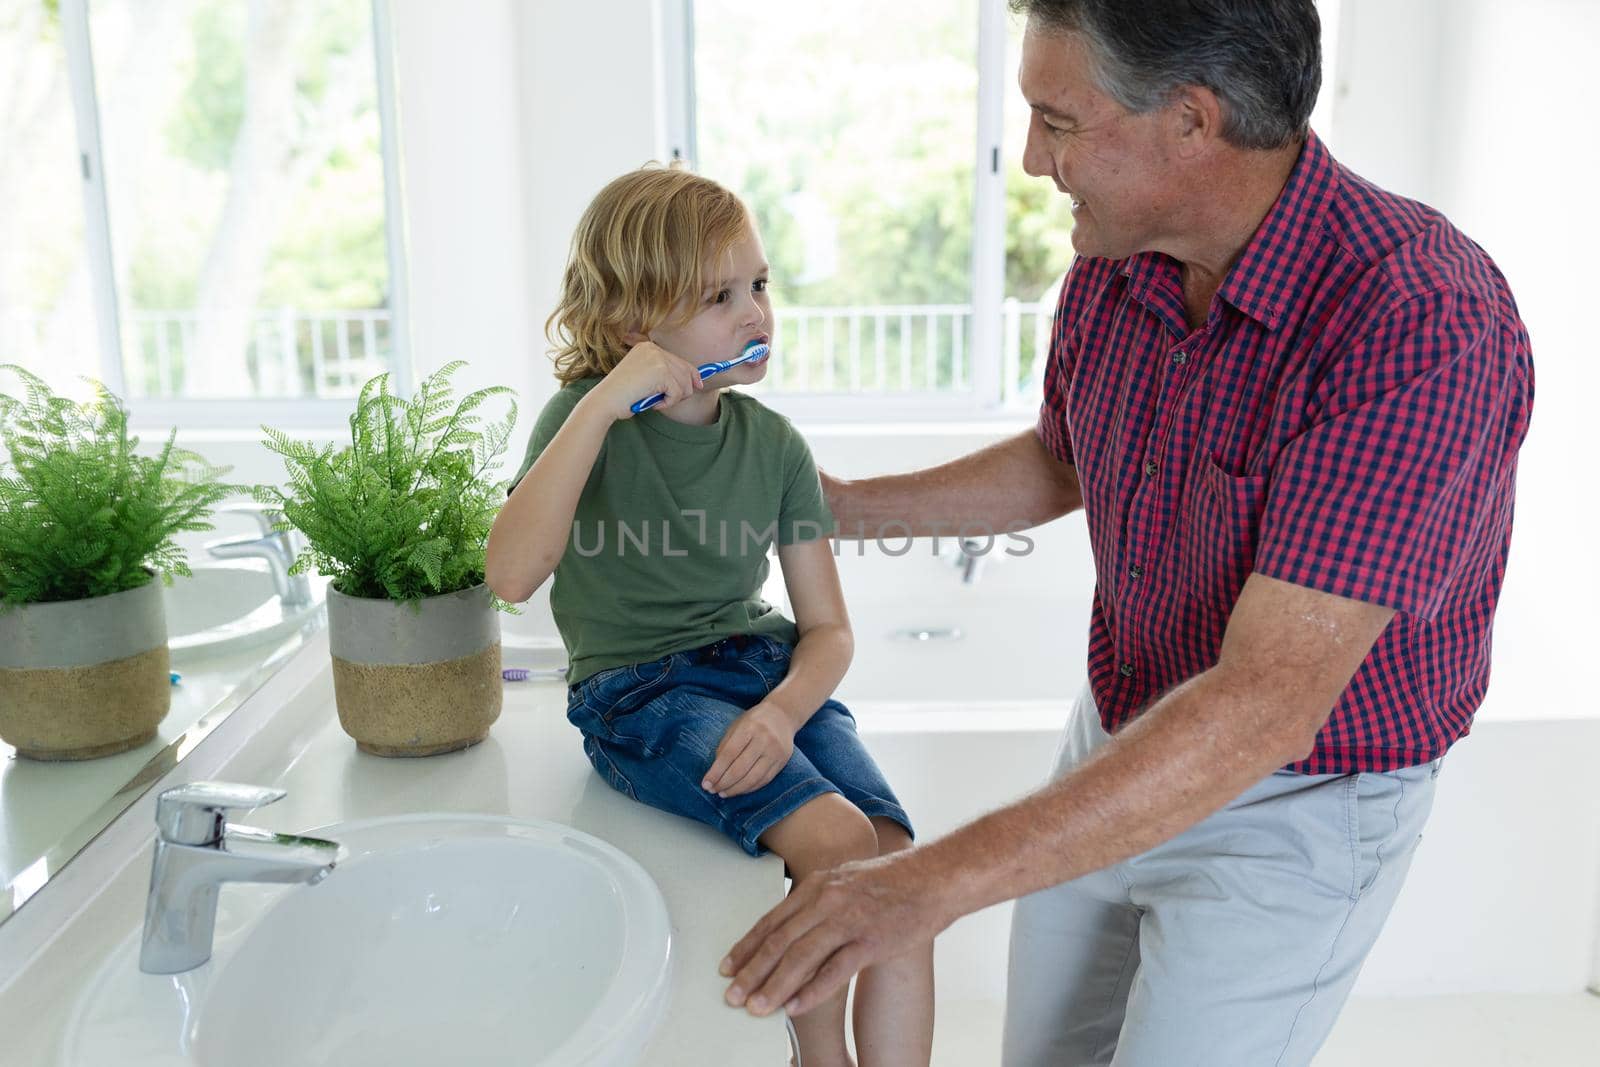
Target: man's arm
{"points": [[1009, 485], [1288, 654]]}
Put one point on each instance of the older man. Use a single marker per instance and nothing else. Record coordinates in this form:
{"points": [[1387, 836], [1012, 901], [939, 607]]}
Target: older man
{"points": [[1290, 405]]}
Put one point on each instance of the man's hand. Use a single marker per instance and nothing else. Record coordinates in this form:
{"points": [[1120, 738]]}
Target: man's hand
{"points": [[752, 752], [830, 926]]}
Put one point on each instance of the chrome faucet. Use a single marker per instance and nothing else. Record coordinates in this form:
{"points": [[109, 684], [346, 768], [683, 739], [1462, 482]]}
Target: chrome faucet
{"points": [[277, 547], [197, 850], [967, 554]]}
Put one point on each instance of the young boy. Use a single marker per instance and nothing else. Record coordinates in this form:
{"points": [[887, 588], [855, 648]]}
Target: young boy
{"points": [[693, 694]]}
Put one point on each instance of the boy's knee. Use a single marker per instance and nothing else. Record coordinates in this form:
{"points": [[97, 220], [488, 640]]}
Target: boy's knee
{"points": [[851, 835], [861, 840], [890, 835], [824, 833]]}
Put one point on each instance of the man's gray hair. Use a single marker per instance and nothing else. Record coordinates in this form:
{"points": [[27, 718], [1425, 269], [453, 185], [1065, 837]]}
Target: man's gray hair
{"points": [[1262, 58]]}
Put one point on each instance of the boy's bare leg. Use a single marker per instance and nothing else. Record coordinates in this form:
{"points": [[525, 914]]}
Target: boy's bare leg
{"points": [[822, 833], [894, 1000]]}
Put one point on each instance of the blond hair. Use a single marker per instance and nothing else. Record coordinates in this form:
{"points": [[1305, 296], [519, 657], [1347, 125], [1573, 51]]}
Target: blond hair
{"points": [[640, 257]]}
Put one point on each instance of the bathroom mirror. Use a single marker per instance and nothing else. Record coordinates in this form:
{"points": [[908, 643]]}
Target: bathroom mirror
{"points": [[220, 251], [231, 626]]}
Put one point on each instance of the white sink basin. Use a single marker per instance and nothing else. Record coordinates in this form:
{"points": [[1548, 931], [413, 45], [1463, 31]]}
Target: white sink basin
{"points": [[441, 939], [227, 606]]}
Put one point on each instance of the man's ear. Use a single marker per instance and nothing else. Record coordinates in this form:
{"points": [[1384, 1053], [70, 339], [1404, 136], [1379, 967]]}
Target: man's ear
{"points": [[634, 337], [1197, 120]]}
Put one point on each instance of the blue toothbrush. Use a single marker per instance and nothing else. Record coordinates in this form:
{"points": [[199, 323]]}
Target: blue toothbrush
{"points": [[754, 352]]}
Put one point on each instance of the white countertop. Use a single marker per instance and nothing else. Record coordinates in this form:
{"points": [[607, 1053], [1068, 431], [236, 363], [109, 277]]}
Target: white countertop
{"points": [[531, 766], [55, 808]]}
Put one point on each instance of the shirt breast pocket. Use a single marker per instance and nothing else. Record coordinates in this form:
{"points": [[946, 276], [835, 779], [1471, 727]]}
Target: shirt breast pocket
{"points": [[1219, 527]]}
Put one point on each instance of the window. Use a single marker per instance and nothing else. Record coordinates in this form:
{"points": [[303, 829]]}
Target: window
{"points": [[869, 146], [851, 141], [1038, 246], [880, 149], [232, 187], [47, 320]]}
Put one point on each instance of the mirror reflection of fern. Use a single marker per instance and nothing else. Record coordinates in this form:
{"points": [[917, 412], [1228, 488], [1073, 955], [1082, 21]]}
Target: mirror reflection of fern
{"points": [[81, 514], [403, 511]]}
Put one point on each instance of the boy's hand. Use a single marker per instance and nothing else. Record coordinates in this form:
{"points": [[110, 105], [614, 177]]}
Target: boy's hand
{"points": [[752, 752], [648, 369]]}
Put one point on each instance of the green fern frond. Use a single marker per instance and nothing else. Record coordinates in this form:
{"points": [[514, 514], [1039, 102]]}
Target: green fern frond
{"points": [[403, 511], [82, 514]]}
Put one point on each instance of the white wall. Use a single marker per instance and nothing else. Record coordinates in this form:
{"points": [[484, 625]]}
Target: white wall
{"points": [[512, 115], [465, 190], [1477, 107], [1501, 895], [592, 86]]}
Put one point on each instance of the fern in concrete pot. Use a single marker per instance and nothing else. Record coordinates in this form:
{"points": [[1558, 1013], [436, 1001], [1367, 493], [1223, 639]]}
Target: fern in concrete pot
{"points": [[87, 525], [398, 518]]}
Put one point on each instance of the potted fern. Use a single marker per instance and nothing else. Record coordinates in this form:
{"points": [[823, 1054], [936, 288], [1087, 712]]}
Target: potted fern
{"points": [[399, 519], [86, 528]]}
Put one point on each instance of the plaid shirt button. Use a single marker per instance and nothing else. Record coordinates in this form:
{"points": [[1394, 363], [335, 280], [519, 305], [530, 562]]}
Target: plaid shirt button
{"points": [[1180, 357], [1150, 468], [1126, 670]]}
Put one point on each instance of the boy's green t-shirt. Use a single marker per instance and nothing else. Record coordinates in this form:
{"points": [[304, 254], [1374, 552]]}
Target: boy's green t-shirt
{"points": [[669, 543]]}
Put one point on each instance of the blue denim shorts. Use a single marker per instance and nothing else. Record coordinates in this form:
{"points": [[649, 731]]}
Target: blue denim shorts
{"points": [[652, 730]]}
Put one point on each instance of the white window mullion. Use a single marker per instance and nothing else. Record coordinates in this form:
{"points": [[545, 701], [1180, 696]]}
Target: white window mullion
{"points": [[97, 221], [989, 207], [230, 413], [394, 218], [675, 65]]}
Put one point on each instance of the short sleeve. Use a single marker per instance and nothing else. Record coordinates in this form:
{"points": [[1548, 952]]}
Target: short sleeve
{"points": [[551, 419], [805, 515], [1052, 427], [1413, 450]]}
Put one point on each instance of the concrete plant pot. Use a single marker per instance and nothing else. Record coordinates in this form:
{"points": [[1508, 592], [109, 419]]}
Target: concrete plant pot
{"points": [[415, 679], [80, 679]]}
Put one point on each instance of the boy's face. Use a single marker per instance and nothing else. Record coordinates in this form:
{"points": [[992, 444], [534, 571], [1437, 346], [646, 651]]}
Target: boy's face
{"points": [[733, 310]]}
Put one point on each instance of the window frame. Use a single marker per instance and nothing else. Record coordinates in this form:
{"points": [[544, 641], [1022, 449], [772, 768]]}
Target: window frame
{"points": [[227, 412]]}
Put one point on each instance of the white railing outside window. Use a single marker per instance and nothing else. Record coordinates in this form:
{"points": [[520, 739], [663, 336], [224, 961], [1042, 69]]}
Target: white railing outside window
{"points": [[904, 348], [296, 353], [290, 352]]}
